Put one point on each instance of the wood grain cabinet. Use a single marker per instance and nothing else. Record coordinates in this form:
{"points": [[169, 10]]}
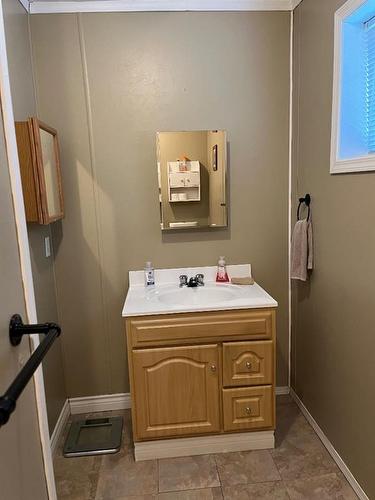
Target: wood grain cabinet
{"points": [[201, 374], [38, 151], [247, 363], [248, 408], [177, 391]]}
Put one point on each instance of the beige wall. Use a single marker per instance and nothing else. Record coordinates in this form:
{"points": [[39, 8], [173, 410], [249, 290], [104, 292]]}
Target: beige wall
{"points": [[333, 331], [108, 82], [20, 69]]}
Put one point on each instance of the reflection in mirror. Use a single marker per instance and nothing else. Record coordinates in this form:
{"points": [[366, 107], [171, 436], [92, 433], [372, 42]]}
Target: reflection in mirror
{"points": [[192, 179], [51, 180]]}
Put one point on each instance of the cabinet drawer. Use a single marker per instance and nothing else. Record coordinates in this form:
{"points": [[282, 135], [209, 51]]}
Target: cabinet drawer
{"points": [[248, 408], [247, 363], [201, 327]]}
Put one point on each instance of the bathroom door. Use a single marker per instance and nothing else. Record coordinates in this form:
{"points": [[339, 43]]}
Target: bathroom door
{"points": [[22, 471]]}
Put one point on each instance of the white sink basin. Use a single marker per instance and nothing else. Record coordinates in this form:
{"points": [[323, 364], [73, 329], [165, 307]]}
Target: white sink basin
{"points": [[204, 295], [167, 298]]}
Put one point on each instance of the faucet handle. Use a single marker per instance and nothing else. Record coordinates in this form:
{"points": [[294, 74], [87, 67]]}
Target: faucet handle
{"points": [[183, 280], [200, 279]]}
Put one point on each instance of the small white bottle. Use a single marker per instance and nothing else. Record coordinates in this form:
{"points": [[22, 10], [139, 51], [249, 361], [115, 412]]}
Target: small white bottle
{"points": [[149, 275]]}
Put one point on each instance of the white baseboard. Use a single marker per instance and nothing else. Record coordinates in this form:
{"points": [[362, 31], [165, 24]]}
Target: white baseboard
{"points": [[330, 448], [107, 402], [282, 390], [60, 425], [203, 445]]}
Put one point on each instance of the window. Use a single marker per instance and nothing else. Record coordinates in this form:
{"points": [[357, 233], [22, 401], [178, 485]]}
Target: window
{"points": [[353, 117]]}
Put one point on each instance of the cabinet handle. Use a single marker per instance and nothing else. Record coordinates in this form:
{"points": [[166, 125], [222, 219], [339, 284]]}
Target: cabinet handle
{"points": [[248, 410], [248, 365], [213, 368]]}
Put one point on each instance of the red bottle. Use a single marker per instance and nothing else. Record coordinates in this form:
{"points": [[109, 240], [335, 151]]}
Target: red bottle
{"points": [[222, 275]]}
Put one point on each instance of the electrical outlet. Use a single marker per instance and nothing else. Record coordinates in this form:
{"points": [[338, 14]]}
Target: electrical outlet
{"points": [[47, 246]]}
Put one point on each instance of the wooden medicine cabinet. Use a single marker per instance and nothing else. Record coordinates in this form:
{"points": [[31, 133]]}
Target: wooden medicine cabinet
{"points": [[39, 157]]}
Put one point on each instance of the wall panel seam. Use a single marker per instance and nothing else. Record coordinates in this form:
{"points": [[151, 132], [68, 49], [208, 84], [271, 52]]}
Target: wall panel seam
{"points": [[97, 201]]}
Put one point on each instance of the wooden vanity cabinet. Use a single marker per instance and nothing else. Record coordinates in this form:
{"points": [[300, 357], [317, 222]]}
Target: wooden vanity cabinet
{"points": [[202, 373], [39, 157]]}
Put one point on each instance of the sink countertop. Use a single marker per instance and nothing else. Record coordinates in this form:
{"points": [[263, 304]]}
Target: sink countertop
{"points": [[159, 299]]}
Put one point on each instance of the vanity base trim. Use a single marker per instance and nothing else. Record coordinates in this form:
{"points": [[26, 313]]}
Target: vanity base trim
{"points": [[203, 445]]}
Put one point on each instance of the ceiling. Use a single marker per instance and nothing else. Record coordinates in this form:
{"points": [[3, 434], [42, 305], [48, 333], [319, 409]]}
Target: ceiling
{"points": [[64, 6]]}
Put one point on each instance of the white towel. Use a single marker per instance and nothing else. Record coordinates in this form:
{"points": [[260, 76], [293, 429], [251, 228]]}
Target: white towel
{"points": [[301, 250]]}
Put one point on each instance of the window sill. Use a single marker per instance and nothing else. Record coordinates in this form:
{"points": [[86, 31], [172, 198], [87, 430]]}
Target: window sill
{"points": [[362, 164]]}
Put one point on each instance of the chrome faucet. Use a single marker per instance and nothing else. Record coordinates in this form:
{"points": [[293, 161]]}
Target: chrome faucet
{"points": [[194, 282], [200, 279], [183, 280]]}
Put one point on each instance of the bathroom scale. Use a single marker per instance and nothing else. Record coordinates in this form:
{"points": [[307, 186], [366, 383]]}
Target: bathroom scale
{"points": [[94, 436]]}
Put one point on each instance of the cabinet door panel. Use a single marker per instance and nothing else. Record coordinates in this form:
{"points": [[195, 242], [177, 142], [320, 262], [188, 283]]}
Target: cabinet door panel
{"points": [[177, 180], [192, 179], [176, 391]]}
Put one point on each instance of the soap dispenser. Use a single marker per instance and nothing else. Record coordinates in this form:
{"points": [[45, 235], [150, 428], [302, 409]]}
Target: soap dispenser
{"points": [[149, 275], [222, 275]]}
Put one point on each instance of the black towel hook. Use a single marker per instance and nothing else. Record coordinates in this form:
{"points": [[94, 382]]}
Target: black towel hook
{"points": [[306, 200]]}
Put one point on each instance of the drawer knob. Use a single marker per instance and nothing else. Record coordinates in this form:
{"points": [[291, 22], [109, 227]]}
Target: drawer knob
{"points": [[248, 410], [248, 365], [213, 368]]}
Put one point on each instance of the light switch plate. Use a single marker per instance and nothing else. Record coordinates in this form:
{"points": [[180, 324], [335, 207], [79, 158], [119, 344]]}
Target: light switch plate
{"points": [[47, 246]]}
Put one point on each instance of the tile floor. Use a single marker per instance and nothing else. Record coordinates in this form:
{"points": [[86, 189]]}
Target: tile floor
{"points": [[299, 468]]}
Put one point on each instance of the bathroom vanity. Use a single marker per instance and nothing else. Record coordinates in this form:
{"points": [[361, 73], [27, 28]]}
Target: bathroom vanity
{"points": [[201, 365]]}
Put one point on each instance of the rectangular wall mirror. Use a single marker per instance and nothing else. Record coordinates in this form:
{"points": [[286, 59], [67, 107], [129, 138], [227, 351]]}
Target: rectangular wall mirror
{"points": [[192, 179]]}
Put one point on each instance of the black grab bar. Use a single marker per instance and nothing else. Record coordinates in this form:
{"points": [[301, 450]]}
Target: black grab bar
{"points": [[16, 331]]}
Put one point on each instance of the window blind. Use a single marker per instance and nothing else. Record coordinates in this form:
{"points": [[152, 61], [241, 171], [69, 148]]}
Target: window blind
{"points": [[370, 83]]}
